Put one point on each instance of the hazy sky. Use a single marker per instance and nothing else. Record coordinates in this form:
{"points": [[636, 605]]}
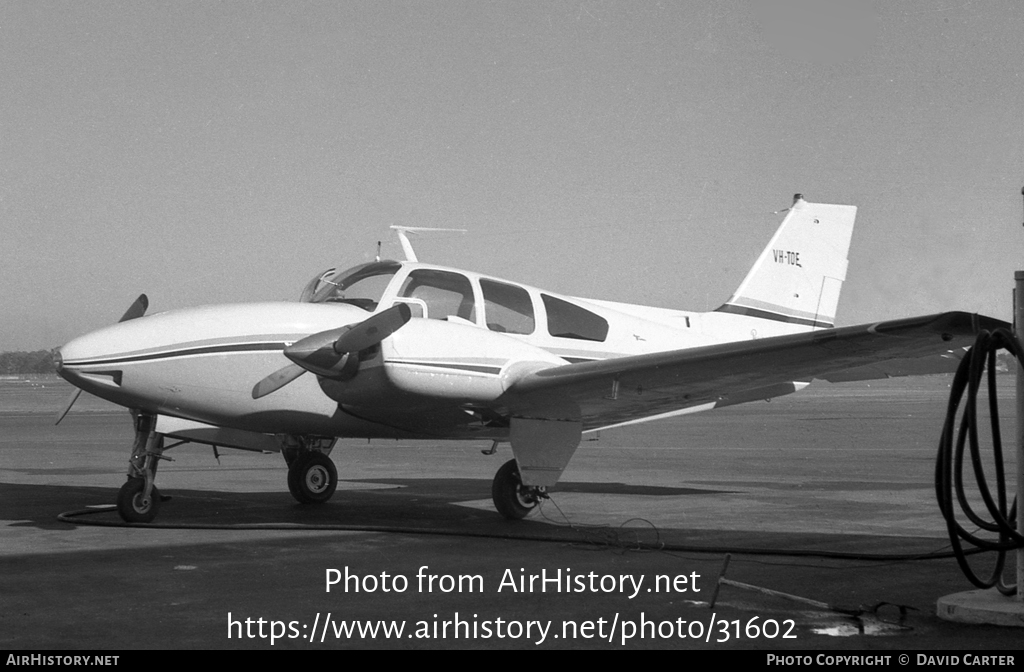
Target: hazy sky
{"points": [[208, 152]]}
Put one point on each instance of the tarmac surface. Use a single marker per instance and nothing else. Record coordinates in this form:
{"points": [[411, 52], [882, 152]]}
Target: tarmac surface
{"points": [[824, 496]]}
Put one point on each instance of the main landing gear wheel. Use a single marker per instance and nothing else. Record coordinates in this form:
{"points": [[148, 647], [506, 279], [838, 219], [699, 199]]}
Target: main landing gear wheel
{"points": [[513, 500], [133, 506], [312, 478]]}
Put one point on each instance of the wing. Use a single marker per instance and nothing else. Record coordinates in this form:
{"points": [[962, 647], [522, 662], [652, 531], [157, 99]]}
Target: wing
{"points": [[627, 389]]}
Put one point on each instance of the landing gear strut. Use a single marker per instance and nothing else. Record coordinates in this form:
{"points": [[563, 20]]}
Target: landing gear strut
{"points": [[138, 500], [513, 499]]}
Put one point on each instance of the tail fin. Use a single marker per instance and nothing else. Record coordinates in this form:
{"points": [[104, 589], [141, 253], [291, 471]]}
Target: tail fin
{"points": [[798, 276]]}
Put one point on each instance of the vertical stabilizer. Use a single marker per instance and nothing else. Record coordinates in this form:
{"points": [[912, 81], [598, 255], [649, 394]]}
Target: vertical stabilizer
{"points": [[797, 278]]}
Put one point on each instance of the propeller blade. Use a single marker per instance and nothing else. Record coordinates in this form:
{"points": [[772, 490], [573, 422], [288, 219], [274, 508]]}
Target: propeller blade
{"points": [[277, 380], [373, 330], [68, 404], [327, 353], [137, 309]]}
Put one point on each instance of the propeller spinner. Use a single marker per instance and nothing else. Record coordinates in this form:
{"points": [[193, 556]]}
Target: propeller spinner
{"points": [[333, 353]]}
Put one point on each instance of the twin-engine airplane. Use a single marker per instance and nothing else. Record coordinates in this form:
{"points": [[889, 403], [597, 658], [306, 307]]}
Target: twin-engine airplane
{"points": [[409, 350]]}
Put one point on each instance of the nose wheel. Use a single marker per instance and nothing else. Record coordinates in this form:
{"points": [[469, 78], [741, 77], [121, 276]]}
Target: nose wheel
{"points": [[312, 478], [138, 500], [512, 499], [134, 504]]}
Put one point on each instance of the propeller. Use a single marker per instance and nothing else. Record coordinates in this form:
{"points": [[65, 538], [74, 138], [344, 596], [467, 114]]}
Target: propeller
{"points": [[137, 309], [333, 353]]}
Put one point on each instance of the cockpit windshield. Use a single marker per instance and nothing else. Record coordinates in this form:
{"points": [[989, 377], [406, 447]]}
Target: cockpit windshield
{"points": [[361, 286]]}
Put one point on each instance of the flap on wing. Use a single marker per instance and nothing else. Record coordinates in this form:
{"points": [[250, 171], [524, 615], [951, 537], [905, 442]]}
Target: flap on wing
{"points": [[616, 390], [946, 362]]}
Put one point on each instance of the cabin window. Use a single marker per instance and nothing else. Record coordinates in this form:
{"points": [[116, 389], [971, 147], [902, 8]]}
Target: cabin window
{"points": [[361, 286], [567, 320], [444, 293], [508, 308]]}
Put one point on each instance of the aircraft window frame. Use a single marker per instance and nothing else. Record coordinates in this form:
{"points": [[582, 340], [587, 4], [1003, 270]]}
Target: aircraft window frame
{"points": [[351, 277], [573, 321], [443, 286], [309, 291], [510, 313], [418, 307]]}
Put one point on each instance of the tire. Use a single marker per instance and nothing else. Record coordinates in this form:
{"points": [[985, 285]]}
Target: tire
{"points": [[131, 505], [512, 499], [293, 486], [312, 478]]}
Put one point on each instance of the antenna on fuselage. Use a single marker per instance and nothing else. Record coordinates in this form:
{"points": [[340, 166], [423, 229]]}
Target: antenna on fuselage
{"points": [[796, 199], [403, 237]]}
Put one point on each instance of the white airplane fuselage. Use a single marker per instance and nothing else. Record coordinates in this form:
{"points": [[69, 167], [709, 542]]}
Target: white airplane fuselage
{"points": [[464, 340], [409, 350], [201, 363]]}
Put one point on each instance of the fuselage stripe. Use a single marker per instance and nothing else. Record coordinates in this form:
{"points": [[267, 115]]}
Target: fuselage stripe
{"points": [[768, 315], [494, 370], [185, 352]]}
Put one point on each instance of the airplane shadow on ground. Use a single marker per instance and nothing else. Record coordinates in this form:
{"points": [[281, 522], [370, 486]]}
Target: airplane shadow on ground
{"points": [[429, 506], [400, 503]]}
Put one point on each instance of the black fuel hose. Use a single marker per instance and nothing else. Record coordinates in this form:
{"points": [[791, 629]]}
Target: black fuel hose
{"points": [[949, 467]]}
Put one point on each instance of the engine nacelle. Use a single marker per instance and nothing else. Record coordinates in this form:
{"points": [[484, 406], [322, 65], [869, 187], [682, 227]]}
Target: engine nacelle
{"points": [[437, 359]]}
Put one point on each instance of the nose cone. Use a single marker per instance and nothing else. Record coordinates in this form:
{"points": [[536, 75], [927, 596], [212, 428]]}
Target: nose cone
{"points": [[195, 359], [68, 373], [58, 362], [91, 361], [85, 347], [100, 345]]}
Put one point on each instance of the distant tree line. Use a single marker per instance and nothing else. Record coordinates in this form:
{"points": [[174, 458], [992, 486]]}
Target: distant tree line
{"points": [[38, 361]]}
